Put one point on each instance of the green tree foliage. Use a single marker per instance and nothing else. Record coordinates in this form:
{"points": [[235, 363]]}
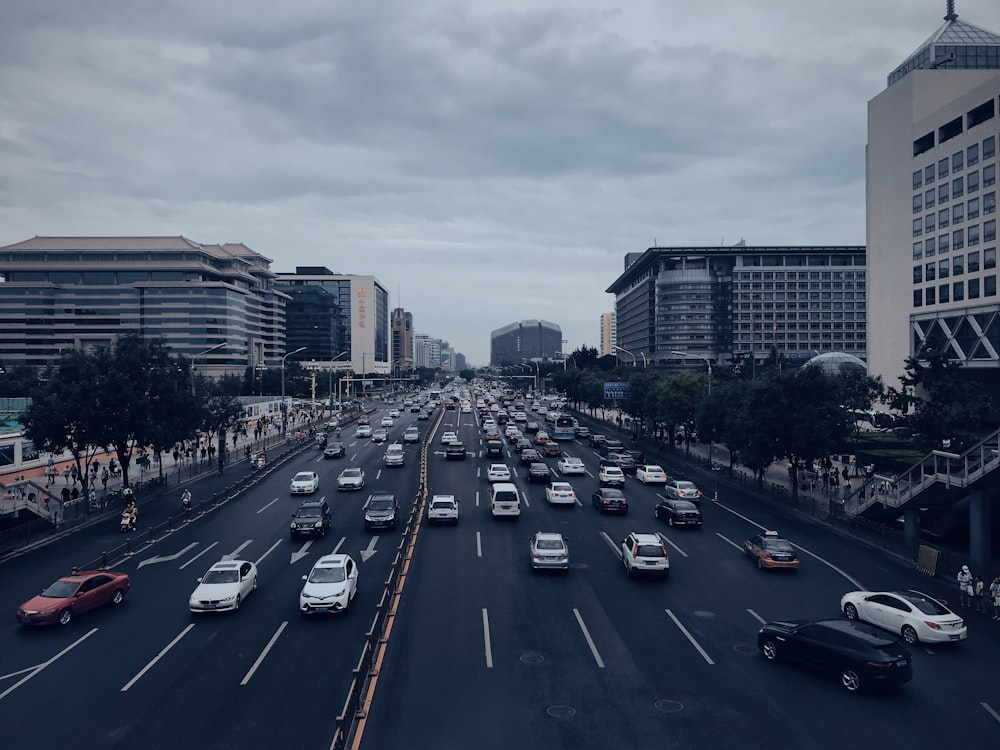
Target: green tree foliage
{"points": [[18, 382], [678, 398]]}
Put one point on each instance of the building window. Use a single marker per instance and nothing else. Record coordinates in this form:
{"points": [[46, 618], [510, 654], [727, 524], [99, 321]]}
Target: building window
{"points": [[929, 225], [990, 257], [957, 161], [989, 175], [929, 271], [942, 192], [917, 227], [943, 293], [989, 147], [918, 298], [989, 230], [957, 187], [958, 239], [957, 265], [942, 168], [972, 157], [943, 269], [958, 213], [973, 212], [943, 215], [918, 274], [973, 288], [944, 243], [972, 182], [929, 246], [990, 286], [918, 250], [929, 295], [929, 174], [958, 291], [918, 203], [973, 235], [973, 261], [918, 179]]}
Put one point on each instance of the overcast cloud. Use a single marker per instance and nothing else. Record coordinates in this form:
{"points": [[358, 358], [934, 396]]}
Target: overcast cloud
{"points": [[488, 161]]}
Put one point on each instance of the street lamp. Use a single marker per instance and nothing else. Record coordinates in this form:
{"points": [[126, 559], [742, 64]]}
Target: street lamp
{"points": [[618, 348], [260, 368], [284, 409], [643, 355], [703, 358], [711, 441], [194, 361], [330, 383]]}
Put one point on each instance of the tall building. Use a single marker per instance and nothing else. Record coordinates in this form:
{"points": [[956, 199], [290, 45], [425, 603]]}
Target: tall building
{"points": [[740, 302], [63, 293], [932, 167], [609, 333], [402, 340], [525, 340], [351, 315]]}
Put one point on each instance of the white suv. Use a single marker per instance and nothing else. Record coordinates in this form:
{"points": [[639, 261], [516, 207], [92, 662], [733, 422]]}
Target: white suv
{"points": [[645, 553]]}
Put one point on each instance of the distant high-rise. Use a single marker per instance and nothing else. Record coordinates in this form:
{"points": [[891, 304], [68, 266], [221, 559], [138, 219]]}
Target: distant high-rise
{"points": [[523, 341], [609, 333], [402, 340]]}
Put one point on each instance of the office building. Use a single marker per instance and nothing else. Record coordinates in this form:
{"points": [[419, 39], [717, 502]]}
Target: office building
{"points": [[525, 341], [63, 293], [931, 206], [740, 302], [609, 334], [402, 340]]}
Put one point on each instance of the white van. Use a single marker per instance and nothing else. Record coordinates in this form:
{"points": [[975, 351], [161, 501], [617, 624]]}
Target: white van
{"points": [[504, 500]]}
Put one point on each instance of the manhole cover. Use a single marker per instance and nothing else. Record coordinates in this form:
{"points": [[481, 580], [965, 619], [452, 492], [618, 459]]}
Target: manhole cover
{"points": [[561, 712], [745, 648], [668, 707], [703, 613], [532, 658]]}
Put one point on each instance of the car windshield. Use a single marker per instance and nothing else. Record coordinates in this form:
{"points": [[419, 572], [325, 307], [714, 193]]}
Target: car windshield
{"points": [[549, 544], [380, 503], [350, 473], [303, 477], [649, 550], [308, 513], [777, 545], [61, 589], [221, 576], [327, 575]]}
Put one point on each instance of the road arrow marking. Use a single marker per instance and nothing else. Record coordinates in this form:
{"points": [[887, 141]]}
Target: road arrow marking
{"points": [[296, 556], [236, 552], [366, 553], [167, 558]]}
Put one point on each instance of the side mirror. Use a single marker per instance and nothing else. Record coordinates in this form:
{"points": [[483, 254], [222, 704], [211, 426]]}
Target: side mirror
{"points": [[305, 578], [199, 580]]}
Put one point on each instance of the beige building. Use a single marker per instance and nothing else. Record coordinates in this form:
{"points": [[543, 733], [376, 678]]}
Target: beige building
{"points": [[931, 205], [609, 336]]}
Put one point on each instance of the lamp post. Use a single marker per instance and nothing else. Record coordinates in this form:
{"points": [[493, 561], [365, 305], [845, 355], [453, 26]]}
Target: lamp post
{"points": [[618, 348], [643, 355], [711, 442], [194, 361], [260, 368], [284, 409], [313, 368], [330, 383]]}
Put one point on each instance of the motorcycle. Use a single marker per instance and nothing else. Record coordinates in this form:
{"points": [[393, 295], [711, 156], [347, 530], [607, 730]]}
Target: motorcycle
{"points": [[128, 522], [258, 463], [186, 501]]}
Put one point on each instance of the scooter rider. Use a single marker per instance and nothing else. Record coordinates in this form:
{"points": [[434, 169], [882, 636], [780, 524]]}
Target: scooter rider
{"points": [[186, 500]]}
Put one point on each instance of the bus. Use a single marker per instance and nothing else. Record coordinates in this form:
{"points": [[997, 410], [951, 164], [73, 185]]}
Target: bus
{"points": [[564, 428]]}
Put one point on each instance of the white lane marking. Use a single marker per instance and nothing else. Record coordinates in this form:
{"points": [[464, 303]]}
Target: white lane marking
{"points": [[269, 551], [525, 496], [197, 556], [477, 498], [303, 551], [757, 617], [588, 473], [236, 552], [35, 670], [660, 496], [614, 547], [667, 541], [156, 658], [984, 704], [337, 548], [514, 472], [267, 506], [167, 558], [370, 550], [486, 639], [690, 637], [590, 641], [730, 541], [378, 475], [20, 671], [857, 584], [263, 654], [479, 544]]}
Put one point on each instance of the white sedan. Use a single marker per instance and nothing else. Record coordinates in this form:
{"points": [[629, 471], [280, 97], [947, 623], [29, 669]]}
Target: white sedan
{"points": [[330, 586], [650, 474], [386, 422], [363, 431], [443, 509], [448, 438], [916, 617], [571, 465], [224, 586], [352, 478], [560, 493], [303, 483], [498, 473]]}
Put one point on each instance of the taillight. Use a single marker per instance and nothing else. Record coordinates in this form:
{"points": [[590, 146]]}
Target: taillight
{"points": [[932, 625], [883, 664], [664, 550]]}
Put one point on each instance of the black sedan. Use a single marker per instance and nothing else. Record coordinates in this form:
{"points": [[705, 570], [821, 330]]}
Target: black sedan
{"points": [[539, 472], [334, 449], [609, 499], [860, 655], [678, 512], [529, 456]]}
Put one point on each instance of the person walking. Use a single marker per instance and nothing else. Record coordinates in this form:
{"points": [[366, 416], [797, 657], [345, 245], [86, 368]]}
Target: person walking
{"points": [[979, 588], [965, 586], [995, 597]]}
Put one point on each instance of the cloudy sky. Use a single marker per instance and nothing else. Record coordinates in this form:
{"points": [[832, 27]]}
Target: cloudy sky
{"points": [[488, 161]]}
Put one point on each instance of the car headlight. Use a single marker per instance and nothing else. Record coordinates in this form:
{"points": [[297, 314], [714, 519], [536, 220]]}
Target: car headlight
{"points": [[318, 524], [229, 598]]}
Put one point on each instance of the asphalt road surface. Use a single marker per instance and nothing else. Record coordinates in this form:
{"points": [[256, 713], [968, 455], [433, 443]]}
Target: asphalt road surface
{"points": [[484, 653]]}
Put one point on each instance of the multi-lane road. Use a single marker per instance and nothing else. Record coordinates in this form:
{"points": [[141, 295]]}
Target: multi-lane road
{"points": [[483, 652]]}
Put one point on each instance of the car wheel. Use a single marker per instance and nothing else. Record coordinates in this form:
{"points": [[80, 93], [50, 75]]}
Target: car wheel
{"points": [[909, 635], [851, 612], [770, 650], [850, 679], [118, 597], [760, 564], [670, 521], [254, 584], [65, 616]]}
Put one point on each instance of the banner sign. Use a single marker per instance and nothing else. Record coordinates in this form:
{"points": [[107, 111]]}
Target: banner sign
{"points": [[613, 391]]}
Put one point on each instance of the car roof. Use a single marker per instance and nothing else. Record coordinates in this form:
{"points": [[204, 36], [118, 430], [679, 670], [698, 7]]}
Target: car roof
{"points": [[611, 491], [227, 565], [442, 497], [549, 535], [645, 538], [338, 560], [868, 633]]}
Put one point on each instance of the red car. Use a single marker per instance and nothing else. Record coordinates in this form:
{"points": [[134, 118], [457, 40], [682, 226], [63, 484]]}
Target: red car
{"points": [[552, 450], [72, 595]]}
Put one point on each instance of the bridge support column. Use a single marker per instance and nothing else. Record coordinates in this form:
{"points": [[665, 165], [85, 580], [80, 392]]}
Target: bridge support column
{"points": [[911, 527], [979, 527]]}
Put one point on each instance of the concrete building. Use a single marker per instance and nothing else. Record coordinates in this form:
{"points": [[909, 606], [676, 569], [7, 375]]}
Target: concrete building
{"points": [[64, 293], [740, 302], [352, 315], [402, 340], [931, 206], [524, 341], [609, 334]]}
